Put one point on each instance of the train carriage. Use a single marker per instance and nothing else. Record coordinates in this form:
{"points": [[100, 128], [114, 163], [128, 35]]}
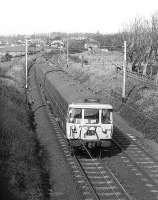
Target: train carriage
{"points": [[91, 123], [84, 118]]}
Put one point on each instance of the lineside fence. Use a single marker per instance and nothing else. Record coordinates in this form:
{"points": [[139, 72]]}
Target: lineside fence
{"points": [[145, 79]]}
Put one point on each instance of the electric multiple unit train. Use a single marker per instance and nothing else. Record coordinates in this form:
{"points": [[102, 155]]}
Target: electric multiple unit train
{"points": [[84, 119]]}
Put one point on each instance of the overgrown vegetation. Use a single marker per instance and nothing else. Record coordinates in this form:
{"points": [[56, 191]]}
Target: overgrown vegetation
{"points": [[76, 46], [21, 162], [77, 59], [142, 37], [7, 57]]}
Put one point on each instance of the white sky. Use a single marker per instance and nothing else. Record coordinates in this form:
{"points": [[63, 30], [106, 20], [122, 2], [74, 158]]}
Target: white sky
{"points": [[42, 16]]}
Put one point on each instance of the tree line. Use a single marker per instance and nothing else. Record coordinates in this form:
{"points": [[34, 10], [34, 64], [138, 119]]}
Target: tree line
{"points": [[142, 44], [142, 41]]}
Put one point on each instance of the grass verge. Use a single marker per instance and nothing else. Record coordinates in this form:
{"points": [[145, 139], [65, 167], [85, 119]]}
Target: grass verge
{"points": [[23, 173]]}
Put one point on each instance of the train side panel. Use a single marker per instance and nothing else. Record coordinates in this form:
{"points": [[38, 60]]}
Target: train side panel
{"points": [[58, 104]]}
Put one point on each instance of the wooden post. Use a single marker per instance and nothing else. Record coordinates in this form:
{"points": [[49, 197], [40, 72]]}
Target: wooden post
{"points": [[67, 54], [124, 75], [82, 60]]}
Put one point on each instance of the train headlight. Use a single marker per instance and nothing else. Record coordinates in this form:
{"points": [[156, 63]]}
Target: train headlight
{"points": [[104, 131], [73, 128]]}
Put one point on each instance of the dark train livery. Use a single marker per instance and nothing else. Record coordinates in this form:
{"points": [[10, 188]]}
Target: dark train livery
{"points": [[84, 119]]}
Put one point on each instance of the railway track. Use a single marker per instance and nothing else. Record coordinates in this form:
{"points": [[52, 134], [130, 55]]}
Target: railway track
{"points": [[94, 179], [97, 180], [103, 181]]}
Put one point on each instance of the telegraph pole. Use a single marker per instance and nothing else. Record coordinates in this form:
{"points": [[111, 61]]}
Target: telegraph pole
{"points": [[26, 67], [82, 61], [124, 74], [67, 53]]}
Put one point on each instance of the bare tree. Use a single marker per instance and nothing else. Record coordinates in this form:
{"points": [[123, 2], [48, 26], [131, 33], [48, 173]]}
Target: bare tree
{"points": [[142, 40]]}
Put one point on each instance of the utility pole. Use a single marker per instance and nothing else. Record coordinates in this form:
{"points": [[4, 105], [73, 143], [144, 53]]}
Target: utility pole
{"points": [[67, 54], [124, 75], [82, 60], [157, 78], [26, 68]]}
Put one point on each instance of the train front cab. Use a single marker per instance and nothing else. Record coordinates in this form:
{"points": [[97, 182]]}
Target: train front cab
{"points": [[91, 124]]}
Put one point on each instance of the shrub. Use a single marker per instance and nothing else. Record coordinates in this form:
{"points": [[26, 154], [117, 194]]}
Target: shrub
{"points": [[7, 57], [19, 171]]}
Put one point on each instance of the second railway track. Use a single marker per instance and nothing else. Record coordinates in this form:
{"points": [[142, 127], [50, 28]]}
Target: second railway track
{"points": [[95, 180], [136, 157]]}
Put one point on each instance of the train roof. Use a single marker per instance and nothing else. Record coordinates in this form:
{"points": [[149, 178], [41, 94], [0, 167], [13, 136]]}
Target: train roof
{"points": [[70, 91], [91, 105]]}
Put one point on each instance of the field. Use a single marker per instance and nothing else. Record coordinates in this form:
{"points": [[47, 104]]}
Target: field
{"points": [[18, 48]]}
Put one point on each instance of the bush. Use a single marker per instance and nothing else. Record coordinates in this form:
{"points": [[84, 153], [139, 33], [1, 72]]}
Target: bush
{"points": [[7, 57], [76, 46], [20, 172], [76, 59]]}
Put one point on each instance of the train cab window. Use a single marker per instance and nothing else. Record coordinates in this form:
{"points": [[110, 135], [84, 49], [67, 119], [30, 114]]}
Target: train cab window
{"points": [[105, 116], [91, 116], [75, 115]]}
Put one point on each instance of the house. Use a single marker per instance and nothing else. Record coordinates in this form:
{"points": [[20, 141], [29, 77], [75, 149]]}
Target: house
{"points": [[91, 44], [57, 44]]}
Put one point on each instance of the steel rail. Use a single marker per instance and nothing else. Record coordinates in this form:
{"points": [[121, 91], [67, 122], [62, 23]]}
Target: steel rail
{"points": [[103, 176]]}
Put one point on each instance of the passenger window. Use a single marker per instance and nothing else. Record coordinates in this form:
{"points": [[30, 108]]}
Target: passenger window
{"points": [[105, 117], [75, 115], [91, 116]]}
